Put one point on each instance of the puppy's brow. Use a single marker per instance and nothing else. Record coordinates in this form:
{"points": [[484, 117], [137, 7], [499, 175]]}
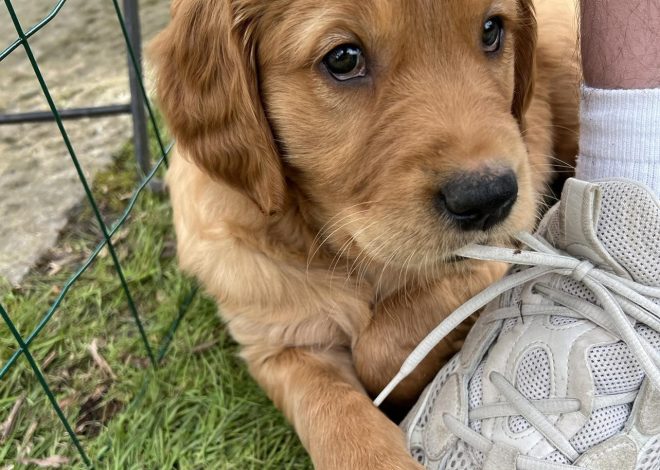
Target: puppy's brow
{"points": [[316, 29], [506, 8], [313, 37]]}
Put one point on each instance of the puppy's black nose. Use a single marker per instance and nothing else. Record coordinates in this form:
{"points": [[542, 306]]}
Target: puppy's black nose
{"points": [[478, 200]]}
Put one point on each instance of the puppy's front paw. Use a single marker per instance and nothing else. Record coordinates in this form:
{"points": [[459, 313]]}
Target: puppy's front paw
{"points": [[375, 463], [370, 454]]}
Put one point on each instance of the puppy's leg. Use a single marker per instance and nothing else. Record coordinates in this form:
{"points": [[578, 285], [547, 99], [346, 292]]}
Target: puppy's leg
{"points": [[337, 423], [399, 324]]}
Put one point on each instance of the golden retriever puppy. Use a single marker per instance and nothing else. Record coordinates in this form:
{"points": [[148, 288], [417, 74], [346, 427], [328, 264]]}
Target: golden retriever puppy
{"points": [[331, 157]]}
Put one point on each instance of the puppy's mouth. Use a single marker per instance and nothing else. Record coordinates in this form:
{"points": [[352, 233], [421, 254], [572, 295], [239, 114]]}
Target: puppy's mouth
{"points": [[455, 259], [507, 241]]}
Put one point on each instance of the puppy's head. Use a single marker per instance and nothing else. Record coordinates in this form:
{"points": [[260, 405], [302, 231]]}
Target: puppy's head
{"points": [[400, 122]]}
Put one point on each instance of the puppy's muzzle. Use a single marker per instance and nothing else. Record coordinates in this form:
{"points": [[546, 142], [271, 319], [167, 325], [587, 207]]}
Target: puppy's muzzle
{"points": [[478, 200]]}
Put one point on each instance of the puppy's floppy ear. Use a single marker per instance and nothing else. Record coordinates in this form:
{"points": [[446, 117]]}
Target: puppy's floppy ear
{"points": [[209, 92], [525, 59]]}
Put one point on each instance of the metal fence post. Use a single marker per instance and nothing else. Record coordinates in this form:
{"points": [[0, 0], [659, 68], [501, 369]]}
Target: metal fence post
{"points": [[139, 103], [140, 136]]}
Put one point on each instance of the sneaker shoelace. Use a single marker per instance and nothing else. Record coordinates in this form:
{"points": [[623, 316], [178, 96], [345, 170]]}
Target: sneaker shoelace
{"points": [[622, 304]]}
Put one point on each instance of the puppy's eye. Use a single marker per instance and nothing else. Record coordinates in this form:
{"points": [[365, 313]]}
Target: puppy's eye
{"points": [[491, 37], [345, 62]]}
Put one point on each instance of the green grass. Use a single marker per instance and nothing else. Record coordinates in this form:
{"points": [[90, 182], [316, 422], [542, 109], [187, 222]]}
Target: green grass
{"points": [[199, 409]]}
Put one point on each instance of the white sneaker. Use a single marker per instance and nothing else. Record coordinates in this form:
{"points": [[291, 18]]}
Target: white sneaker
{"points": [[563, 369]]}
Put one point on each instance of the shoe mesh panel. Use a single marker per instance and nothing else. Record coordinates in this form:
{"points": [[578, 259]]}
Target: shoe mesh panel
{"points": [[439, 381], [475, 395], [461, 458], [614, 369], [550, 228], [419, 455], [562, 321], [578, 289], [533, 375], [629, 228], [508, 325], [518, 424], [649, 457], [602, 424], [558, 457], [509, 298], [533, 381], [650, 335]]}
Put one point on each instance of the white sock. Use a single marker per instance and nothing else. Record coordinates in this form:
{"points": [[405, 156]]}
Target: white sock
{"points": [[620, 136]]}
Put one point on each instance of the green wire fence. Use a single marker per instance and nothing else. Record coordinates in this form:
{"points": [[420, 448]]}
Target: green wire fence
{"points": [[155, 353]]}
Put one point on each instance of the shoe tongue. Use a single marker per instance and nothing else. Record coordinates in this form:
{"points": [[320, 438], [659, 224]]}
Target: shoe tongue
{"points": [[614, 224]]}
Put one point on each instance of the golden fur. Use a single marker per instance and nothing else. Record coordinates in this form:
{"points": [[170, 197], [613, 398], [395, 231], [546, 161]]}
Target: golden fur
{"points": [[304, 205]]}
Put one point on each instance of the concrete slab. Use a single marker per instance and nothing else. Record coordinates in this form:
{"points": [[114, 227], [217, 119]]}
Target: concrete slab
{"points": [[82, 57]]}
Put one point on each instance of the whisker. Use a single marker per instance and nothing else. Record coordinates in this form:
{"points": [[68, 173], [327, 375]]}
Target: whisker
{"points": [[372, 258], [337, 258], [404, 269], [310, 257], [330, 221], [550, 126], [405, 286], [382, 271], [355, 263]]}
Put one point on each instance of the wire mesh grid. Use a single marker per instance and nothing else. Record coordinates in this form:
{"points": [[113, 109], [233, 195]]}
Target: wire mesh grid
{"points": [[155, 353]]}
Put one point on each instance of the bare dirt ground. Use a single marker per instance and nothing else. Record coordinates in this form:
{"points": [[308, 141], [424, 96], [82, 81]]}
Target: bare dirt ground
{"points": [[82, 57]]}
